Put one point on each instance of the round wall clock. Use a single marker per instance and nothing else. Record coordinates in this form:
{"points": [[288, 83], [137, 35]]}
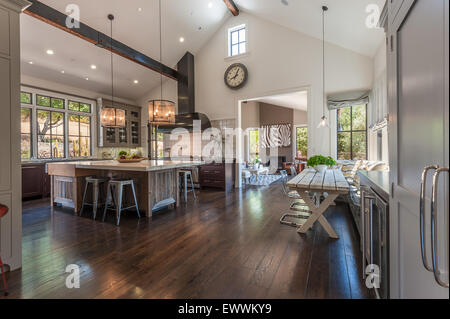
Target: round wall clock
{"points": [[236, 76]]}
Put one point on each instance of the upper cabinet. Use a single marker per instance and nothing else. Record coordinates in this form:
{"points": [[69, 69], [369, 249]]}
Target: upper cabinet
{"points": [[129, 136]]}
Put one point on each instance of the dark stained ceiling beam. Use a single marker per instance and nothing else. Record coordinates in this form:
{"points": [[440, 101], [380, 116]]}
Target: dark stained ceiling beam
{"points": [[232, 7], [57, 19]]}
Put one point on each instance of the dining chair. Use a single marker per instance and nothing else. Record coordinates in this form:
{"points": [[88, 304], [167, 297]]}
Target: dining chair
{"points": [[298, 205]]}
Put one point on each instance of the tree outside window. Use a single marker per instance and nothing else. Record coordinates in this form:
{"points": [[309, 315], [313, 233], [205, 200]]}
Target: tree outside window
{"points": [[302, 140], [50, 134], [352, 133], [253, 140]]}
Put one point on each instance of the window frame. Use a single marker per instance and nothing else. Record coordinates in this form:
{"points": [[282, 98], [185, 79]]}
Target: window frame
{"points": [[66, 113], [31, 98], [28, 107], [50, 134], [233, 30], [351, 133]]}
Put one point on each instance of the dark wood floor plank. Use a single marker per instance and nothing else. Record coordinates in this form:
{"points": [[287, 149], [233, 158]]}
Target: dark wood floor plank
{"points": [[220, 246]]}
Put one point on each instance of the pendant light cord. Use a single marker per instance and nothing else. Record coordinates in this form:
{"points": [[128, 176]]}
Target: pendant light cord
{"points": [[323, 57], [160, 48], [112, 63]]}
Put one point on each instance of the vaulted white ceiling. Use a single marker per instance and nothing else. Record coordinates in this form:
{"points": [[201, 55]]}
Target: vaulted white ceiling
{"points": [[345, 21], [137, 25]]}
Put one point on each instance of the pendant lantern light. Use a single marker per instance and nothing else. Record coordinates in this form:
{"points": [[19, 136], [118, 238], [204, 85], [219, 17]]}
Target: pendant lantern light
{"points": [[161, 111], [323, 121], [111, 117]]}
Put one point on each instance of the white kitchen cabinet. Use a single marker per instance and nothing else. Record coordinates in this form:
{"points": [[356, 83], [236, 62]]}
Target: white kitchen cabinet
{"points": [[418, 87], [10, 163]]}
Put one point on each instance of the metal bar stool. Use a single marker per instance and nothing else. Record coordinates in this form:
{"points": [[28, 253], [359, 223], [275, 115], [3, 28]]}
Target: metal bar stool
{"points": [[3, 212], [298, 205], [114, 193], [97, 188], [185, 174]]}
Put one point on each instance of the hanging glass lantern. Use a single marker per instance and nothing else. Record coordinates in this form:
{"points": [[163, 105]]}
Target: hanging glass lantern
{"points": [[161, 112], [112, 117]]}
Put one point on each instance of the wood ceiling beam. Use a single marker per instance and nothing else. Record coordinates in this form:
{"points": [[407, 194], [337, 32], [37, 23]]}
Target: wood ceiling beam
{"points": [[232, 7], [57, 19]]}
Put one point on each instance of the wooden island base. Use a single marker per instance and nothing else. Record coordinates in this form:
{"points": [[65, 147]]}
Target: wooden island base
{"points": [[156, 182]]}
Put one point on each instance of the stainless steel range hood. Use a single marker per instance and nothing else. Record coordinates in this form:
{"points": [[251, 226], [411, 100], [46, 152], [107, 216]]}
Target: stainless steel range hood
{"points": [[186, 99], [186, 121], [186, 105]]}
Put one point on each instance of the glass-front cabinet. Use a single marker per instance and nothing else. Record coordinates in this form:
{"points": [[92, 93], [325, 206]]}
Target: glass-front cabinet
{"points": [[129, 136]]}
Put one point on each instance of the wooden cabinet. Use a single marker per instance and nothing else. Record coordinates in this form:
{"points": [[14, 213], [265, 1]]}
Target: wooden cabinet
{"points": [[35, 181], [129, 136], [217, 175]]}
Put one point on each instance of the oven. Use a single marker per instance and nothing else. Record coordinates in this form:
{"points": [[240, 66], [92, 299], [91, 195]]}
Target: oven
{"points": [[375, 241]]}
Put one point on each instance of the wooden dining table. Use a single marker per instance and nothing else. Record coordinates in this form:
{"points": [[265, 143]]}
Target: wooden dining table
{"points": [[310, 185]]}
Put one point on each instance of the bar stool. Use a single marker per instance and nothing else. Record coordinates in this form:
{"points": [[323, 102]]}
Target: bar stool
{"points": [[185, 174], [114, 193], [97, 188], [3, 212]]}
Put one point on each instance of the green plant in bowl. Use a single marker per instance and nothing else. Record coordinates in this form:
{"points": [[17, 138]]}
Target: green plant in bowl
{"points": [[320, 162], [123, 155]]}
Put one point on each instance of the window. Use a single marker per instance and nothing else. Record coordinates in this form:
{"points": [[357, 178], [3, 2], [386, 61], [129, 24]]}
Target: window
{"points": [[25, 133], [253, 142], [25, 98], [55, 127], [352, 133], [79, 136], [50, 126], [157, 140], [237, 40], [301, 135], [49, 101], [79, 107]]}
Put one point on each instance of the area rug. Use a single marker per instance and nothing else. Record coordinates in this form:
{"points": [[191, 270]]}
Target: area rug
{"points": [[263, 180]]}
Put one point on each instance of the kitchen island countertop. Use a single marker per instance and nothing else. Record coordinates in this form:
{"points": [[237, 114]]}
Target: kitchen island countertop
{"points": [[144, 166]]}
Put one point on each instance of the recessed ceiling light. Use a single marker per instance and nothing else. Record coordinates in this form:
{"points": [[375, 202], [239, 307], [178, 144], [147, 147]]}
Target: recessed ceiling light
{"points": [[210, 5], [140, 9], [50, 52], [62, 71], [136, 82], [87, 79], [31, 62], [181, 39], [93, 67]]}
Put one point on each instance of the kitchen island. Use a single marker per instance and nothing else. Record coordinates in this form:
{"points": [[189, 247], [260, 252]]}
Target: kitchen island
{"points": [[156, 181]]}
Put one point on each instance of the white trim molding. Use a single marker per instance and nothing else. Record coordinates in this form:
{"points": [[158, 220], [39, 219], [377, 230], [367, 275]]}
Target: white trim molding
{"points": [[15, 5]]}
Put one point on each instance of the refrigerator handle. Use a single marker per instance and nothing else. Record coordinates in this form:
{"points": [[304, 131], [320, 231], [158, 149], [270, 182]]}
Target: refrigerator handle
{"points": [[364, 196], [434, 226], [363, 231], [423, 244]]}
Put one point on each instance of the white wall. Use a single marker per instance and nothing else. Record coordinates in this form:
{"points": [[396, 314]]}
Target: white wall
{"points": [[379, 61], [300, 117], [250, 115], [27, 80], [279, 59]]}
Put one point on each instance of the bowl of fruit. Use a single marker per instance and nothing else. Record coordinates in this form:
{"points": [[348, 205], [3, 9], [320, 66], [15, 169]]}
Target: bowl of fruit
{"points": [[124, 157]]}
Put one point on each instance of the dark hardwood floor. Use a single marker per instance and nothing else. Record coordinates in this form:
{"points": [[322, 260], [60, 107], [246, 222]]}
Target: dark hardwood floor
{"points": [[216, 247]]}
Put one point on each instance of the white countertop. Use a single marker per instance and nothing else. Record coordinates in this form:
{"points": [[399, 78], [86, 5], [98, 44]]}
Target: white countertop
{"points": [[144, 166]]}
